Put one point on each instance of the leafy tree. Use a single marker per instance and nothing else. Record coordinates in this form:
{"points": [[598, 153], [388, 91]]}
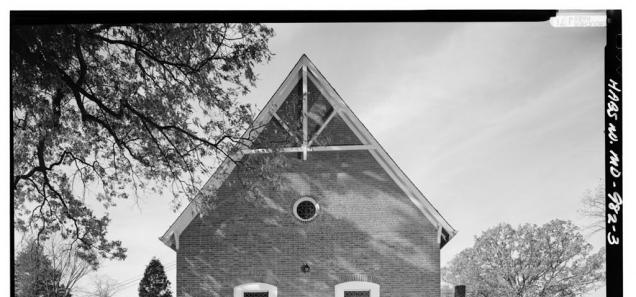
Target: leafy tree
{"points": [[122, 108], [531, 261], [154, 283], [35, 275]]}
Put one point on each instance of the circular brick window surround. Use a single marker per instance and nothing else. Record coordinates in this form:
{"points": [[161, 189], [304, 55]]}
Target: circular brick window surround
{"points": [[305, 209]]}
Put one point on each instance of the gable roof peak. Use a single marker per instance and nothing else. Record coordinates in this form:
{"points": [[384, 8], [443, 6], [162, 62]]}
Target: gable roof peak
{"points": [[305, 71]]}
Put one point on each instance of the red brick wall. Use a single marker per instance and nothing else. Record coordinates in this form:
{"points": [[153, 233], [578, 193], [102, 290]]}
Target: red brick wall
{"points": [[366, 229]]}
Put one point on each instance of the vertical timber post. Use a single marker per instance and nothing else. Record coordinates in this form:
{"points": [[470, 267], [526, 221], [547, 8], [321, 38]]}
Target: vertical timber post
{"points": [[304, 112]]}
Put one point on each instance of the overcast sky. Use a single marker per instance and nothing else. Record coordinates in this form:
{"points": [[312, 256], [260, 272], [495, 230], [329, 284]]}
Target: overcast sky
{"points": [[494, 122]]}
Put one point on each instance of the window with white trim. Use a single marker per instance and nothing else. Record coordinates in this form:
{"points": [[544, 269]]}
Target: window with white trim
{"points": [[255, 290], [357, 289]]}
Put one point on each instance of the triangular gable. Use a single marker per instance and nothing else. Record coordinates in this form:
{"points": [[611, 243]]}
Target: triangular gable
{"points": [[323, 113]]}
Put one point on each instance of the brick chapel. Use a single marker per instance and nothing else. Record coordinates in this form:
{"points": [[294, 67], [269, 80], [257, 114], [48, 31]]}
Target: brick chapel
{"points": [[348, 222]]}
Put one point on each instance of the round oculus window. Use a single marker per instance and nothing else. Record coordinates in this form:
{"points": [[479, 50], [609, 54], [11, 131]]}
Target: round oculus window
{"points": [[306, 209]]}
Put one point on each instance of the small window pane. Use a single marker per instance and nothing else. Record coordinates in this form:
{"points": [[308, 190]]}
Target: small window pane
{"points": [[357, 293], [255, 294], [306, 210]]}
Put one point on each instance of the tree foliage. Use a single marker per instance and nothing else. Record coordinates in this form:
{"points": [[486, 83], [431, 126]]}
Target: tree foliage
{"points": [[155, 283], [531, 261], [122, 108], [35, 275]]}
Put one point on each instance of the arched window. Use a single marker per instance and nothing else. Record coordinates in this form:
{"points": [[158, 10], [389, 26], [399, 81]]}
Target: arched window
{"points": [[357, 289], [255, 290]]}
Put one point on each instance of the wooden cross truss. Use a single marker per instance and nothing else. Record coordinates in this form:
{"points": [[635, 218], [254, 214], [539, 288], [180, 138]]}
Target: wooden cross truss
{"points": [[307, 144]]}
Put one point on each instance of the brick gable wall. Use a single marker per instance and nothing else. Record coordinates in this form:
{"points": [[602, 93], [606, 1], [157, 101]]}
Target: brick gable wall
{"points": [[366, 229]]}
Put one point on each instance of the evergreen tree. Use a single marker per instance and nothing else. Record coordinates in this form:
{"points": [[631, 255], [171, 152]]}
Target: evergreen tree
{"points": [[35, 275], [154, 283]]}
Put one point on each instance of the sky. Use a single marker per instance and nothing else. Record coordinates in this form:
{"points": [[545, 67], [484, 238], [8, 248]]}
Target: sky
{"points": [[494, 122]]}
